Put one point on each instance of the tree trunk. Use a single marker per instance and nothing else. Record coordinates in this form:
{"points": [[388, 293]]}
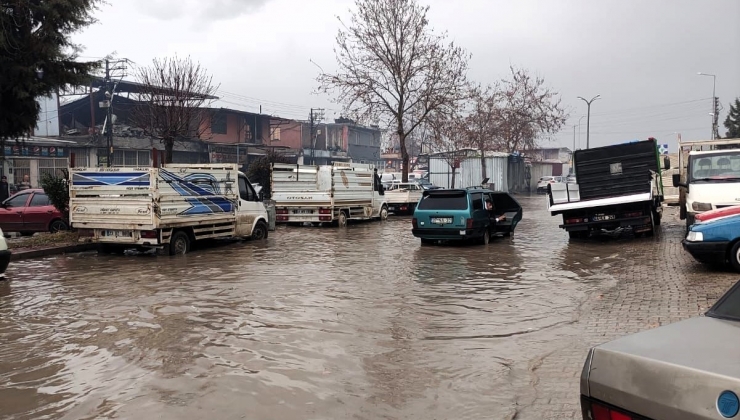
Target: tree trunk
{"points": [[169, 144], [404, 154], [483, 165]]}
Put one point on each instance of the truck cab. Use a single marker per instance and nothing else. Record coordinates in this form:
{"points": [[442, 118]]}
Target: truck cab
{"points": [[711, 180]]}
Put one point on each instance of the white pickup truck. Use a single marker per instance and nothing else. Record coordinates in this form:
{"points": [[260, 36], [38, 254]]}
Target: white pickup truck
{"points": [[167, 207], [326, 194]]}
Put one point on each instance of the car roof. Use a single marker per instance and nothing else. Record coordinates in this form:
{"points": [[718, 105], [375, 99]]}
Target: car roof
{"points": [[712, 152]]}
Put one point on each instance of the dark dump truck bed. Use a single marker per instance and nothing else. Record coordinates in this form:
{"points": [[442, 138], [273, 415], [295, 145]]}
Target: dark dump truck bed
{"points": [[611, 171]]}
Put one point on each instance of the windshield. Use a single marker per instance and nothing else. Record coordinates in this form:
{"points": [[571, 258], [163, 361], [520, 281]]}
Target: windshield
{"points": [[728, 306], [718, 167], [443, 202]]}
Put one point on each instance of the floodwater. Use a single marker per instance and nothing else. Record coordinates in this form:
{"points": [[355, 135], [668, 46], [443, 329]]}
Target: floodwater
{"points": [[314, 323]]}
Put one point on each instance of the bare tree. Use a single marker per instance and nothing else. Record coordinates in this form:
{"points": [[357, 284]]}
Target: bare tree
{"points": [[479, 128], [527, 111], [392, 64], [446, 139], [171, 101]]}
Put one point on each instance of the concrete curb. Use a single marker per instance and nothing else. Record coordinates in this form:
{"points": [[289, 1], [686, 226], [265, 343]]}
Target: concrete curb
{"points": [[54, 250]]}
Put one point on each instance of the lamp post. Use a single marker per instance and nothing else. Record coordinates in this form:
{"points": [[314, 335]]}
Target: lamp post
{"points": [[714, 100], [579, 129], [588, 117]]}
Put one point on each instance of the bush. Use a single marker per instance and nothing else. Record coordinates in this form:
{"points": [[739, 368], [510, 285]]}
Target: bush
{"points": [[259, 169], [58, 191]]}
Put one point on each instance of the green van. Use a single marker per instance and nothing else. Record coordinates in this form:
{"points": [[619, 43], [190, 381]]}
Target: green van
{"points": [[461, 215]]}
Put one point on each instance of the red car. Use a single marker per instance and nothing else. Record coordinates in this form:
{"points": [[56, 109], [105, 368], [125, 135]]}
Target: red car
{"points": [[30, 211]]}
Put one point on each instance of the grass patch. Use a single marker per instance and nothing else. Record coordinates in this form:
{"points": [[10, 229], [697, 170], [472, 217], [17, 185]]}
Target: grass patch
{"points": [[43, 240]]}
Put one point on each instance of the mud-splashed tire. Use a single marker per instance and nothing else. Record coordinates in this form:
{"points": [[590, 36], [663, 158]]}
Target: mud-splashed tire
{"points": [[384, 213], [260, 231], [342, 219], [179, 243]]}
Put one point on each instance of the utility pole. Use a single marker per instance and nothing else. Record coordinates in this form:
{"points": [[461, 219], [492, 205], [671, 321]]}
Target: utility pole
{"points": [[113, 69], [715, 104], [715, 125]]}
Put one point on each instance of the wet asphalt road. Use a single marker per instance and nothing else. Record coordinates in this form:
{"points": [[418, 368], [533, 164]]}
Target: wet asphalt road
{"points": [[315, 323]]}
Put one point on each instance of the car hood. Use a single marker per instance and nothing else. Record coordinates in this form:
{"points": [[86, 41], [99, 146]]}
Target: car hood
{"points": [[673, 372]]}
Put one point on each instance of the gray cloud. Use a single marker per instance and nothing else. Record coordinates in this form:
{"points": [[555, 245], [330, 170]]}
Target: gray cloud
{"points": [[204, 11]]}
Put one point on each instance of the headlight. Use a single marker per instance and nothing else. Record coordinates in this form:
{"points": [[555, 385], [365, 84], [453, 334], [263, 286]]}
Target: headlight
{"points": [[701, 206], [695, 236]]}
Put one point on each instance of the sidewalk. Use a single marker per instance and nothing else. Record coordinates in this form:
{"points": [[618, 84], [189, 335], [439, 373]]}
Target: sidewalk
{"points": [[46, 244]]}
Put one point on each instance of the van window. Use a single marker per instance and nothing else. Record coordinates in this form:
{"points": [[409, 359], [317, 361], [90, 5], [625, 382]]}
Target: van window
{"points": [[477, 200], [444, 202], [246, 192]]}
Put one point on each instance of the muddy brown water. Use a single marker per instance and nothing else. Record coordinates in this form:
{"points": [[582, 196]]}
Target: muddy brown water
{"points": [[314, 323]]}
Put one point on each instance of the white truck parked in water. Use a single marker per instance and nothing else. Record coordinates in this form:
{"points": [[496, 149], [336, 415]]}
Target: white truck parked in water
{"points": [[167, 207], [709, 176], [326, 194]]}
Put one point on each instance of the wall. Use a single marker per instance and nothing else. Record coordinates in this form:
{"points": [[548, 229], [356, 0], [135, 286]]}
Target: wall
{"points": [[469, 172], [538, 170]]}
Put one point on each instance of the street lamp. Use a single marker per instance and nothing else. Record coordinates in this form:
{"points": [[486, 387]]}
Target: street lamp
{"points": [[714, 86], [588, 117], [579, 129]]}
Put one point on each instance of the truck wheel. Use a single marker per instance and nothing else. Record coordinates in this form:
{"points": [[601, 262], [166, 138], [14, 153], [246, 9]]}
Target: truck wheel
{"points": [[260, 231], [735, 256], [58, 225], [384, 212], [179, 243], [342, 219], [656, 218]]}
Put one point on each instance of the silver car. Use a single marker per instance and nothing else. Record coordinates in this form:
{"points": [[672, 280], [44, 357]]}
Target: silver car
{"points": [[686, 370]]}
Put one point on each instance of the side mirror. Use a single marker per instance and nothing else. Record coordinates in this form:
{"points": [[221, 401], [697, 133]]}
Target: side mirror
{"points": [[666, 163], [677, 181], [261, 195]]}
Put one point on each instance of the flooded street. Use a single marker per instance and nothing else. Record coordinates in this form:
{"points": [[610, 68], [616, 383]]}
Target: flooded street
{"points": [[315, 323]]}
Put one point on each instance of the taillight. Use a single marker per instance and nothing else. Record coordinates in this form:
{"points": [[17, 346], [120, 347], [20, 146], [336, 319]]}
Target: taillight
{"points": [[469, 223], [149, 234], [413, 222], [281, 211], [599, 412], [324, 211], [281, 218]]}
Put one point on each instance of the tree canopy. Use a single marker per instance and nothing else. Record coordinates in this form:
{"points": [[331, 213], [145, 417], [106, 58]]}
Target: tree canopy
{"points": [[732, 122]]}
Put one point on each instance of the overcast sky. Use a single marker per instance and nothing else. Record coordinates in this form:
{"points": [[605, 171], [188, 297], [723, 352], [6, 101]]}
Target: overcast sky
{"points": [[642, 57]]}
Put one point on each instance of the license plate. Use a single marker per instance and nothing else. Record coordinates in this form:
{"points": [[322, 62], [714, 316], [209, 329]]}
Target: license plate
{"points": [[302, 211], [442, 220], [116, 233], [602, 217]]}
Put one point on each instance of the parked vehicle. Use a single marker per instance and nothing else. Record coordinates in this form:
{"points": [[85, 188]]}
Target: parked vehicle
{"points": [[545, 181], [5, 253], [720, 212], [167, 207], [708, 178], [460, 215], [618, 186], [403, 197], [715, 240], [30, 211], [328, 194], [685, 370]]}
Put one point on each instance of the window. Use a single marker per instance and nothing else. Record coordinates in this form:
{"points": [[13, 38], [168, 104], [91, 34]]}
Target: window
{"points": [[720, 167], [246, 192], [477, 201], [457, 201], [218, 123], [52, 167], [131, 158], [21, 168], [39, 200], [82, 157], [17, 201]]}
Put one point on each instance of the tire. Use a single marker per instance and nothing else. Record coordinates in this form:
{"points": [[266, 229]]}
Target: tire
{"points": [[342, 219], [735, 256], [58, 225], [384, 213], [179, 243], [657, 217], [651, 232], [260, 231], [27, 233]]}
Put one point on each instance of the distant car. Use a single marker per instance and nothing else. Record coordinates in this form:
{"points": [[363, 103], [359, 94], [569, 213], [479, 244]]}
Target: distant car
{"points": [[685, 370], [716, 239], [425, 184], [545, 180], [571, 179], [30, 211], [4, 253]]}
